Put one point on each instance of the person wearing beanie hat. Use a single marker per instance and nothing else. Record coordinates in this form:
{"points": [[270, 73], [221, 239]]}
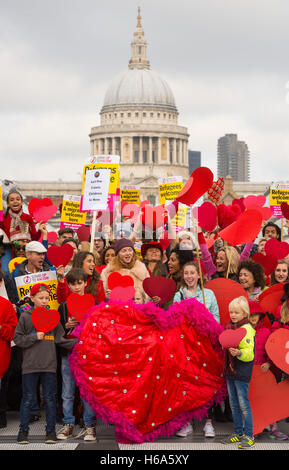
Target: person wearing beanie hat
{"points": [[126, 263], [261, 358]]}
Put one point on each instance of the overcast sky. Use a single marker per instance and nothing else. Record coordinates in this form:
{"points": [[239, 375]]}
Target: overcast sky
{"points": [[225, 61]]}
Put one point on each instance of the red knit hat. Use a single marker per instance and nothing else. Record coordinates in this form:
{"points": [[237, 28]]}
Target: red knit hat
{"points": [[255, 307], [152, 244], [36, 288]]}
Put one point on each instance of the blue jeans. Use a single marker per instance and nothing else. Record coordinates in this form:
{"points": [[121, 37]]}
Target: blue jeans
{"points": [[240, 406], [68, 390], [29, 398]]}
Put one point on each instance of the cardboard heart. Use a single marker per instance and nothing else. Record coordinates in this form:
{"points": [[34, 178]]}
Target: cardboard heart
{"points": [[60, 255], [153, 217], [232, 338], [122, 294], [52, 237], [239, 202], [285, 209], [244, 230], [225, 291], [252, 200], [36, 203], [117, 280], [216, 190], [83, 233], [45, 320], [268, 399], [159, 286], [79, 305], [275, 248], [265, 212], [277, 348], [269, 262], [207, 216], [198, 183], [44, 213], [270, 299], [146, 370], [227, 214]]}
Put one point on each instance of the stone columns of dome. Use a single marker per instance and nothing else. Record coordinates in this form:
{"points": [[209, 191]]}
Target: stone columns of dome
{"points": [[181, 152], [113, 145], [106, 145], [174, 151], [140, 149], [150, 156], [159, 151]]}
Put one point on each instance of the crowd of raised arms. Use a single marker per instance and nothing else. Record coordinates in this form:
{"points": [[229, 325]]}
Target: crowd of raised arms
{"points": [[36, 366]]}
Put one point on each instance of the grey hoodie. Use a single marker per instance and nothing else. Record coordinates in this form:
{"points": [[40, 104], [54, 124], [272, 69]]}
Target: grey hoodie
{"points": [[39, 355]]}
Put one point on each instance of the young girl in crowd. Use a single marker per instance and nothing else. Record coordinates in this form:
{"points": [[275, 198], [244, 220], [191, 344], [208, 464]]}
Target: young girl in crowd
{"points": [[39, 363], [281, 273], [16, 224], [262, 334], [191, 289], [238, 366], [139, 296]]}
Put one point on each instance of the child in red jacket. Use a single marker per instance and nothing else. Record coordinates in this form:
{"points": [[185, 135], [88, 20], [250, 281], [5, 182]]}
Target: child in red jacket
{"points": [[16, 224]]}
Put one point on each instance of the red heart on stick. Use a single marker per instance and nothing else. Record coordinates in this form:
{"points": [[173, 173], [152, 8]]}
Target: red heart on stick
{"points": [[45, 320], [268, 399], [225, 291], [244, 230], [275, 248], [36, 203], [122, 293], [60, 255], [277, 348], [264, 211], [270, 299], [44, 213], [117, 280], [207, 216], [52, 237], [78, 305], [158, 286], [198, 183], [228, 214], [239, 202], [252, 200], [285, 209], [232, 338], [83, 233], [153, 217], [269, 262]]}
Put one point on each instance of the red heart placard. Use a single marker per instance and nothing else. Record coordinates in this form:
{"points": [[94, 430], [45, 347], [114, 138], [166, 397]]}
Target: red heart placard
{"points": [[36, 203], [153, 217], [44, 213], [225, 291], [60, 255], [117, 280], [232, 338], [277, 348], [268, 399], [252, 200], [83, 233], [216, 190], [198, 183], [270, 299], [285, 209], [269, 262], [239, 202], [78, 305], [265, 212], [122, 294], [207, 216], [275, 248], [158, 286], [45, 320], [227, 214], [52, 237], [244, 230]]}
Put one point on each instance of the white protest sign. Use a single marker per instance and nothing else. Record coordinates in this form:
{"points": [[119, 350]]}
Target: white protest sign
{"points": [[95, 191]]}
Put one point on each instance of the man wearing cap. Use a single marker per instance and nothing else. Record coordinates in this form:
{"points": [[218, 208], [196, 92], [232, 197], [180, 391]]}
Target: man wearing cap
{"points": [[35, 254]]}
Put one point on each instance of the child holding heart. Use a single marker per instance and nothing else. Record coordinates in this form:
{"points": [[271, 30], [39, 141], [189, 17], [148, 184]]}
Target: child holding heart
{"points": [[39, 362], [77, 282], [238, 366]]}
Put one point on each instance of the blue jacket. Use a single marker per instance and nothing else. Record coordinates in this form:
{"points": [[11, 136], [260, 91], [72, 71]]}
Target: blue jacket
{"points": [[210, 300]]}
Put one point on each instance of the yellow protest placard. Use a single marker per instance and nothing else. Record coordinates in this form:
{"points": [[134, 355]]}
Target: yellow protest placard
{"points": [[70, 213], [110, 162], [24, 285], [130, 194], [279, 192]]}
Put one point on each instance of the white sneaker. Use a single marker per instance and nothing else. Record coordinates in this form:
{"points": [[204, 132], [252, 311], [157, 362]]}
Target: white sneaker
{"points": [[90, 433], [185, 430], [209, 430]]}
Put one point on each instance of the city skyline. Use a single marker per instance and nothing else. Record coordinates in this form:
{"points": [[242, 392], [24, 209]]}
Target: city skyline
{"points": [[59, 59]]}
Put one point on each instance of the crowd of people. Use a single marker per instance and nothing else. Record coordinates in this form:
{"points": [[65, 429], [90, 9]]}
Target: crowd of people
{"points": [[34, 366]]}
